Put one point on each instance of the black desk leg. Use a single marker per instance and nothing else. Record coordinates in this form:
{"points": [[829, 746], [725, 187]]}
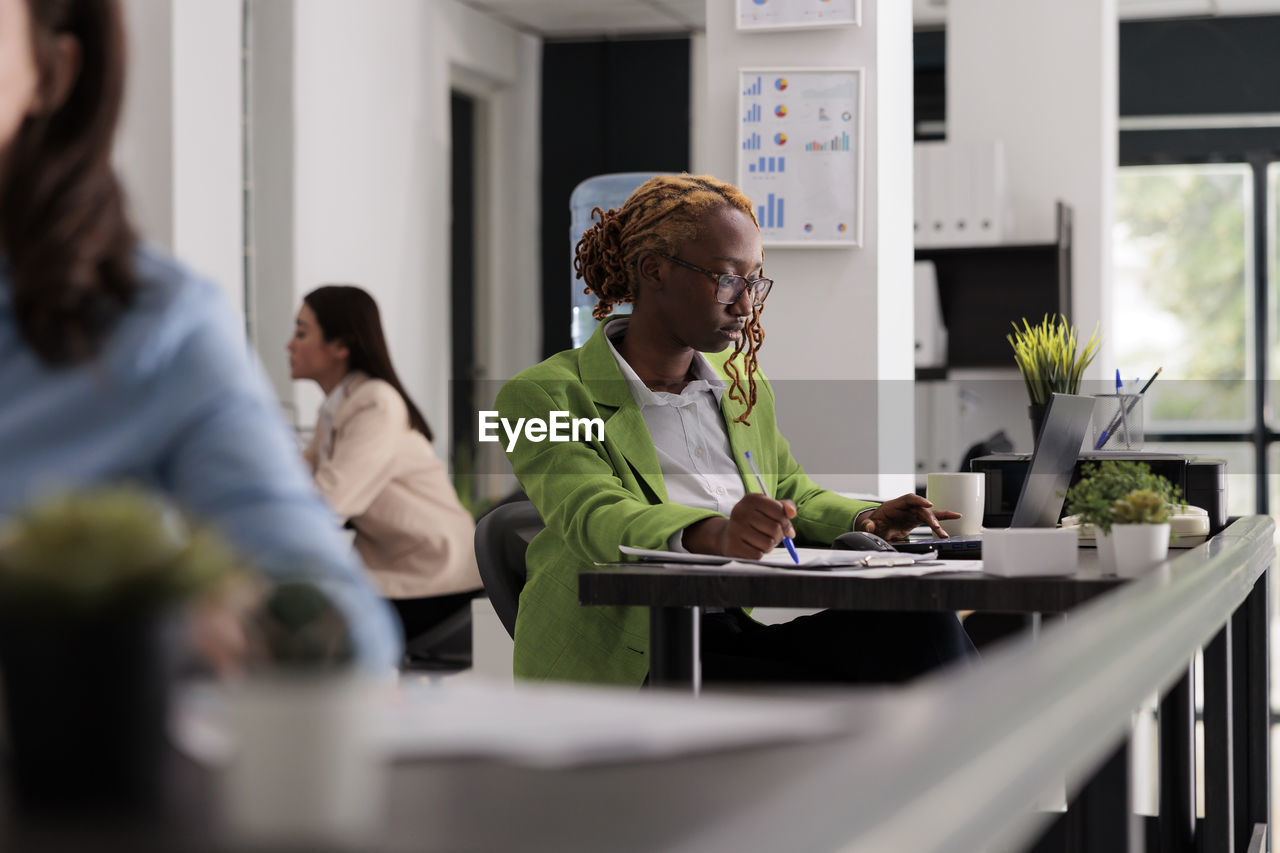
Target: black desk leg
{"points": [[1177, 768], [1251, 692], [674, 643], [1098, 820], [1219, 747]]}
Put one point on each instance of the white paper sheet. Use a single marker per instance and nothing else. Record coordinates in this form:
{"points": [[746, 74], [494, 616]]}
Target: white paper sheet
{"points": [[779, 558], [916, 565]]}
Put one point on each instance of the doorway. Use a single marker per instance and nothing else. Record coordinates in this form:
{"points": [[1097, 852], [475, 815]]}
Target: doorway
{"points": [[464, 371]]}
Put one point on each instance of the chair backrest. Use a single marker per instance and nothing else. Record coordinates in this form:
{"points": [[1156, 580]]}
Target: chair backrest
{"points": [[502, 536]]}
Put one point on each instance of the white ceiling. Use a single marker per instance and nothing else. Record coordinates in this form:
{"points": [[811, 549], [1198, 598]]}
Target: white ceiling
{"points": [[591, 18]]}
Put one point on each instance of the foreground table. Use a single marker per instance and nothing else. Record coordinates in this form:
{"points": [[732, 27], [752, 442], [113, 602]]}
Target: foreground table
{"points": [[953, 763]]}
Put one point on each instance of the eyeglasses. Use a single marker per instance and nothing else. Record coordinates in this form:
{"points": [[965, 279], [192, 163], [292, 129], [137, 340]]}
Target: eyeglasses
{"points": [[729, 287]]}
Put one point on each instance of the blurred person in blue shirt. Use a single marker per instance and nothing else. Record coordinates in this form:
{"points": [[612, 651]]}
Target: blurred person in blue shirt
{"points": [[117, 363]]}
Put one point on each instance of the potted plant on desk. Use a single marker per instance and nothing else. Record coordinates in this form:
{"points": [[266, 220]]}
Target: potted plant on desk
{"points": [[305, 770], [88, 585], [1129, 508], [1050, 362]]}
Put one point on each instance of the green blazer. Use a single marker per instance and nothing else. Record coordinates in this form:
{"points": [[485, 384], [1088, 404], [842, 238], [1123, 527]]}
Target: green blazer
{"points": [[595, 495]]}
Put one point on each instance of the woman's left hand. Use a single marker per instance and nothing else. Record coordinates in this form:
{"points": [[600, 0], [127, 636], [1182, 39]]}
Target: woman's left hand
{"points": [[896, 518]]}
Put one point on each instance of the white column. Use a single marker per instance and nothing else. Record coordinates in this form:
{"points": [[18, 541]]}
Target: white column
{"points": [[208, 142], [1042, 76], [179, 151], [839, 345]]}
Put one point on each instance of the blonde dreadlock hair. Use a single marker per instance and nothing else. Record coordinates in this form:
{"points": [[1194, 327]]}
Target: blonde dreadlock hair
{"points": [[660, 215]]}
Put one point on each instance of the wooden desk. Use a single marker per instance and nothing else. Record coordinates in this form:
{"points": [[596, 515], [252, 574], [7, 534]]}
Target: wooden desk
{"points": [[1216, 593]]}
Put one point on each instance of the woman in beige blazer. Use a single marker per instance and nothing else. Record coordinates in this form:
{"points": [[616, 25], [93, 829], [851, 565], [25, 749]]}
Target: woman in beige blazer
{"points": [[373, 461]]}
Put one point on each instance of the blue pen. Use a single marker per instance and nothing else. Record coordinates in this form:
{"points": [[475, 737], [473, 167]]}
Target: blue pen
{"points": [[786, 540], [1124, 419]]}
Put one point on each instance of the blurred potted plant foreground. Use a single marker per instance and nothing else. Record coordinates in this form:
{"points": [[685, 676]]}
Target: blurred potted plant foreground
{"points": [[305, 771], [88, 583]]}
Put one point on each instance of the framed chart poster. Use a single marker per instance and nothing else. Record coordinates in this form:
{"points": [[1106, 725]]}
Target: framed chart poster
{"points": [[795, 14], [800, 153]]}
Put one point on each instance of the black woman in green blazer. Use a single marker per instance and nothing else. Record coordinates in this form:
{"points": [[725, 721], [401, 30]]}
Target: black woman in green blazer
{"points": [[687, 251]]}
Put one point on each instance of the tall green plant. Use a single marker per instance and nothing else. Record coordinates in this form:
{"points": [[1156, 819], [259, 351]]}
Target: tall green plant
{"points": [[1049, 359]]}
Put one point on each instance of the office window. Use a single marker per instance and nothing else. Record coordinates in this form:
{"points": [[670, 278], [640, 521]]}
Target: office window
{"points": [[1183, 292]]}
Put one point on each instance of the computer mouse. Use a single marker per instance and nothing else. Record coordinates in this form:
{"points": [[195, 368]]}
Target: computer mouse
{"points": [[856, 540]]}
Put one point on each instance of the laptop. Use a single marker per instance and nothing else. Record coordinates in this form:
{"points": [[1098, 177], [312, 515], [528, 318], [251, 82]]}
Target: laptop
{"points": [[1045, 488]]}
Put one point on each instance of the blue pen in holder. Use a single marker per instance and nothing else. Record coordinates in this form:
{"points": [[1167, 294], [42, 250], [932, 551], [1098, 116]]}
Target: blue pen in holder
{"points": [[1117, 422]]}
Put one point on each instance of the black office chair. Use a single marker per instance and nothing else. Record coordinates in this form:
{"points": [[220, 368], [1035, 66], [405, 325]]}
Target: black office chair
{"points": [[502, 537]]}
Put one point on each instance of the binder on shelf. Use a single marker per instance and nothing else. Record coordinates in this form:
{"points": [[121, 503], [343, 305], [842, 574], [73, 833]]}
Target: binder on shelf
{"points": [[960, 194], [938, 434], [938, 194], [920, 184], [990, 202], [930, 328]]}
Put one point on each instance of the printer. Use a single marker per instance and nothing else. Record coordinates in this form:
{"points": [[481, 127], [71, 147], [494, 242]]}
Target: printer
{"points": [[1201, 481]]}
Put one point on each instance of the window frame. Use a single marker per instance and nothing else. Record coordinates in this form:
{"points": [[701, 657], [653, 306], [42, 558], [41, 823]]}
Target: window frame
{"points": [[1197, 146]]}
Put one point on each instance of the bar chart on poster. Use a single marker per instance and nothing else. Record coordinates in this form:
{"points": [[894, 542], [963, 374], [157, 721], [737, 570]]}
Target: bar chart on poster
{"points": [[800, 154]]}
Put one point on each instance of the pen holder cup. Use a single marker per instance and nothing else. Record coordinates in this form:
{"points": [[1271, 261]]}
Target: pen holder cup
{"points": [[1117, 422]]}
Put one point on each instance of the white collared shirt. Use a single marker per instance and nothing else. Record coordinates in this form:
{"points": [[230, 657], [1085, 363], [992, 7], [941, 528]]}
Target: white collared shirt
{"points": [[328, 410], [689, 434]]}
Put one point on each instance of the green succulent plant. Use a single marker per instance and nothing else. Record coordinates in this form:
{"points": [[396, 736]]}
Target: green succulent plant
{"points": [[103, 552], [1142, 506], [1049, 359], [1121, 493]]}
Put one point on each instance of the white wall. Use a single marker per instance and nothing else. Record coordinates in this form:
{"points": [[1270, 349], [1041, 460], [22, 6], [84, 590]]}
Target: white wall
{"points": [[839, 320], [208, 146], [352, 136], [1043, 76], [179, 149], [144, 141]]}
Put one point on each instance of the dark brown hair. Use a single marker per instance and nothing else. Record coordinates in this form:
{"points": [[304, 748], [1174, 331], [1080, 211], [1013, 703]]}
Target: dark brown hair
{"points": [[663, 213], [348, 314], [62, 219]]}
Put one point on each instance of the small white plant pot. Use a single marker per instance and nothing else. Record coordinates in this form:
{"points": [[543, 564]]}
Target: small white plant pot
{"points": [[1106, 553], [1138, 548], [305, 770]]}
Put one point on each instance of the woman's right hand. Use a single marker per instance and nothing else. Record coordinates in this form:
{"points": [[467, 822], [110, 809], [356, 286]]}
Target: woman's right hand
{"points": [[755, 526]]}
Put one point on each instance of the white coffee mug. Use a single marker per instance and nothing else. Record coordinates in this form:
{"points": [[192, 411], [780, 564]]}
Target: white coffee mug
{"points": [[963, 493]]}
